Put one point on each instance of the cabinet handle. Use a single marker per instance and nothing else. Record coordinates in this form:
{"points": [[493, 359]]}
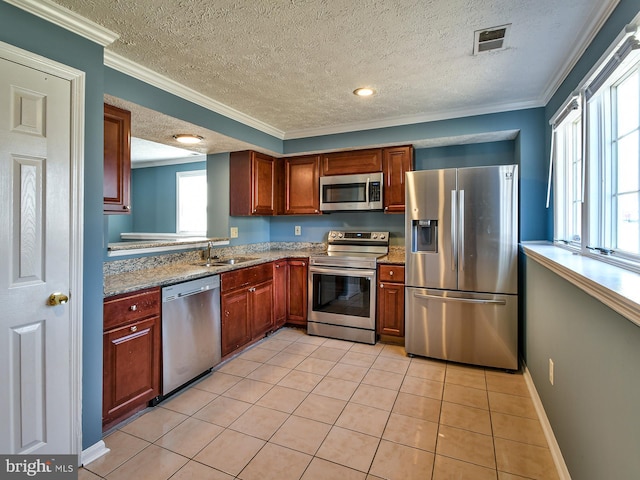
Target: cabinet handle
{"points": [[382, 285], [133, 308], [226, 313], [126, 207], [134, 329], [304, 264], [277, 265], [391, 273]]}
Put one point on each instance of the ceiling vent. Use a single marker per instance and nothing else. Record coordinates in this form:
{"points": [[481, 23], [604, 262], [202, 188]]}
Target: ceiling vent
{"points": [[490, 39]]}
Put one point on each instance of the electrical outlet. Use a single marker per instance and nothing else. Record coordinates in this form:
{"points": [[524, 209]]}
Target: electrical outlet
{"points": [[297, 230], [234, 232], [551, 371]]}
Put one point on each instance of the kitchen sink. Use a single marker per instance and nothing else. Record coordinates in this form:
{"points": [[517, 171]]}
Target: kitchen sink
{"points": [[218, 262]]}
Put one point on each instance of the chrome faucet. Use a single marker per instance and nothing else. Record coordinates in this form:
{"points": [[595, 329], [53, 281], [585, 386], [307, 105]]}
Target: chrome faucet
{"points": [[209, 245]]}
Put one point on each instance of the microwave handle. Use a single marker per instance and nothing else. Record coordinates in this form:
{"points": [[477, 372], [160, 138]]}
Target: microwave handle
{"points": [[367, 194]]}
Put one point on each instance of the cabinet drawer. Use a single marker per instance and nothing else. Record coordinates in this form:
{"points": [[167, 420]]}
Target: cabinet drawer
{"points": [[129, 307], [391, 273], [246, 276]]}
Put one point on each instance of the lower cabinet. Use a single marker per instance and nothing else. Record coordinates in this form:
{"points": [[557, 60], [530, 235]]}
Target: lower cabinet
{"points": [[290, 291], [131, 354], [391, 300], [297, 291], [247, 305]]}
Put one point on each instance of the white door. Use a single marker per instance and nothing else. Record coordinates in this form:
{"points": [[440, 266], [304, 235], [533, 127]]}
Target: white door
{"points": [[35, 211]]}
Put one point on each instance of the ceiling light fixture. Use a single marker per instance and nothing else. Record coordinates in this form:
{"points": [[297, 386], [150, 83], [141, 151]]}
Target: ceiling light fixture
{"points": [[188, 138], [364, 92]]}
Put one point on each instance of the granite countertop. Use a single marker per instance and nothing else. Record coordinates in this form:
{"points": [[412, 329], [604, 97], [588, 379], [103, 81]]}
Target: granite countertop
{"points": [[116, 284], [130, 281], [396, 255]]}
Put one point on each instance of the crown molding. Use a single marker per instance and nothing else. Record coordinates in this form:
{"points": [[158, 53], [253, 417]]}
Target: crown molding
{"points": [[144, 74], [65, 18], [411, 119], [582, 43]]}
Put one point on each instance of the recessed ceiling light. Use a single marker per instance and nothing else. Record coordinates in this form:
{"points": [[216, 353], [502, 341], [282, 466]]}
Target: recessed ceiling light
{"points": [[188, 138], [364, 92]]}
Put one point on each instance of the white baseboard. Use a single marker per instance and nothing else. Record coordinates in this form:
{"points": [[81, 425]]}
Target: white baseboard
{"points": [[94, 452], [556, 454]]}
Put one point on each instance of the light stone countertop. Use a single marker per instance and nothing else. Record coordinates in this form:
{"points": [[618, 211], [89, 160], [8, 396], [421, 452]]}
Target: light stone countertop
{"points": [[158, 276], [396, 255], [118, 283]]}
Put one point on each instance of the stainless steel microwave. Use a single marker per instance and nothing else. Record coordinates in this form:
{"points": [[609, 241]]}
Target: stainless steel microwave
{"points": [[362, 191]]}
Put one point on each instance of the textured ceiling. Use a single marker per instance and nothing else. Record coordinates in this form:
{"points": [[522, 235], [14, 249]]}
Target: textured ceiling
{"points": [[292, 64]]}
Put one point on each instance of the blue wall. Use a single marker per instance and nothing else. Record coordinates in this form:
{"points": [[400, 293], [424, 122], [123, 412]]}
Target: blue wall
{"points": [[315, 228], [153, 196], [38, 36], [528, 148]]}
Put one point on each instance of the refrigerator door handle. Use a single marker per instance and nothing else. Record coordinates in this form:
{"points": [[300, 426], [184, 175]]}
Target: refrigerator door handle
{"points": [[454, 237], [459, 300], [462, 239]]}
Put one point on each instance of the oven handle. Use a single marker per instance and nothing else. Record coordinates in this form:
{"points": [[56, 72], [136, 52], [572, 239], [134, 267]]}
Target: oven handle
{"points": [[347, 272]]}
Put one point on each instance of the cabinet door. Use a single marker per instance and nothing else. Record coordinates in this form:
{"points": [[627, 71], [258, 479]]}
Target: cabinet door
{"points": [[279, 293], [396, 161], [131, 371], [261, 309], [357, 161], [302, 185], [263, 187], [236, 330], [297, 292], [117, 160], [391, 309]]}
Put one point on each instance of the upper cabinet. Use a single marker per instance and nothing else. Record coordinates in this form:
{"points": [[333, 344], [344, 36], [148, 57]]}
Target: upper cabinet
{"points": [[301, 185], [262, 185], [252, 184], [395, 162], [117, 160], [357, 161]]}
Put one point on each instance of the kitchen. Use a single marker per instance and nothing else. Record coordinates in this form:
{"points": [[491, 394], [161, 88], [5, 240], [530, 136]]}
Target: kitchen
{"points": [[529, 153]]}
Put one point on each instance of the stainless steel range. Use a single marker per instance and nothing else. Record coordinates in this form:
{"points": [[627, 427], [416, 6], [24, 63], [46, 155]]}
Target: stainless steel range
{"points": [[342, 286]]}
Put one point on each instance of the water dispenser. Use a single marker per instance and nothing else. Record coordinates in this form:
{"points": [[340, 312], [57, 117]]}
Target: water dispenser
{"points": [[425, 236]]}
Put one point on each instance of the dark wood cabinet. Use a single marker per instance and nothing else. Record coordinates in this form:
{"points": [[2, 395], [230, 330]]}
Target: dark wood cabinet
{"points": [[117, 160], [247, 305], [297, 292], [395, 162], [279, 293], [252, 184], [236, 329], [301, 185], [290, 291], [356, 161], [391, 300], [131, 354]]}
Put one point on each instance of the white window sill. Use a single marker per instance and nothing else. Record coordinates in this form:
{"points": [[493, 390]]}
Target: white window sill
{"points": [[616, 287]]}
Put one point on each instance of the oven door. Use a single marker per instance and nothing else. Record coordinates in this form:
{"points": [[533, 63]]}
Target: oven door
{"points": [[342, 297]]}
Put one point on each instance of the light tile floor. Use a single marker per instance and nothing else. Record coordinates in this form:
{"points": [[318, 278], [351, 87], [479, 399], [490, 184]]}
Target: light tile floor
{"points": [[300, 407]]}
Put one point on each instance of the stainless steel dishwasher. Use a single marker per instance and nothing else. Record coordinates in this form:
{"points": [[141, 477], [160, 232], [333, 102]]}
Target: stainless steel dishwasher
{"points": [[190, 331]]}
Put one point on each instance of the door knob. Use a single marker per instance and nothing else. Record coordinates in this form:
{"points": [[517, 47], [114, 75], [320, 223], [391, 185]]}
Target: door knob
{"points": [[57, 298]]}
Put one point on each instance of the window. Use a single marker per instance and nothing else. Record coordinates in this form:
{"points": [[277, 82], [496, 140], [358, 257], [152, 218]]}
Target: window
{"points": [[569, 175], [596, 153], [191, 202]]}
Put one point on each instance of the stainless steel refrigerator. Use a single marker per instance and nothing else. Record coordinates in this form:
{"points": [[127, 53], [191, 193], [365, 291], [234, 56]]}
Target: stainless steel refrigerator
{"points": [[461, 298]]}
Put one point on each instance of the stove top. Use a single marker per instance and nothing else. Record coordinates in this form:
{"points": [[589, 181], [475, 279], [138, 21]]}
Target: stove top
{"points": [[354, 249]]}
